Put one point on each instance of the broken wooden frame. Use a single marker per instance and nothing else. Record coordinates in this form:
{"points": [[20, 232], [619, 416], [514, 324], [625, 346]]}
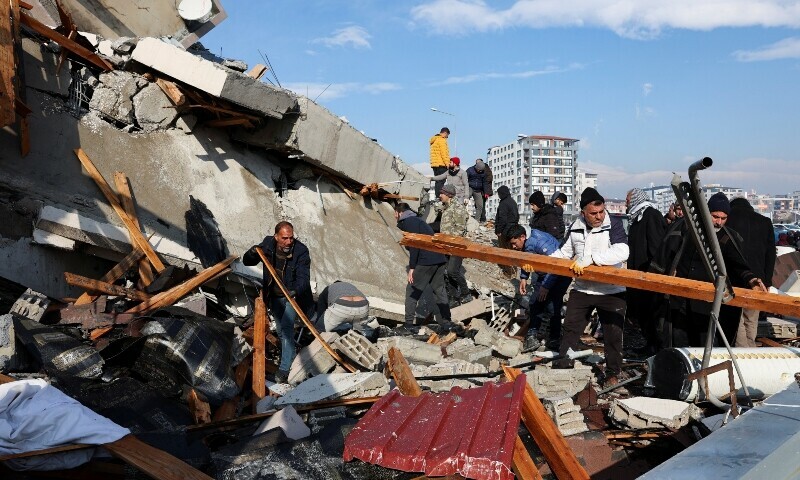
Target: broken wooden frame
{"points": [[681, 287], [702, 375], [65, 42]]}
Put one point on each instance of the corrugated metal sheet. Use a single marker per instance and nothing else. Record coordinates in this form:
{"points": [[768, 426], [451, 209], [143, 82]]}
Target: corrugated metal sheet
{"points": [[470, 432]]}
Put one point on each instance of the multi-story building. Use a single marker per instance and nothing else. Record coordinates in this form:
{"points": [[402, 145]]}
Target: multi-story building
{"points": [[583, 180], [730, 192], [662, 196], [615, 205], [530, 163]]}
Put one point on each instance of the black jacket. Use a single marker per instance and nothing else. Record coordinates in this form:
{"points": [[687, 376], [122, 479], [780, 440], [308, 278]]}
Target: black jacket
{"points": [[759, 240], [507, 212], [416, 256], [547, 220], [296, 274], [644, 239], [480, 181]]}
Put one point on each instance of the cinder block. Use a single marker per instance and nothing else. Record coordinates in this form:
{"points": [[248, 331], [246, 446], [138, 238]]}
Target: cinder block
{"points": [[414, 351], [502, 318], [449, 366], [357, 348], [500, 343], [465, 349], [312, 360], [566, 415], [550, 383]]}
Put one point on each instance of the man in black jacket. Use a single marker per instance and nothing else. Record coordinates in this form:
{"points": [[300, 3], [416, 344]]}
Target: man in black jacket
{"points": [[506, 217], [644, 237], [545, 217], [558, 200], [480, 184], [759, 251], [292, 262], [425, 269]]}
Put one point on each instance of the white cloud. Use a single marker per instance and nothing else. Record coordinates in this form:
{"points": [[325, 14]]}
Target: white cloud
{"points": [[647, 88], [478, 77], [352, 36], [786, 48], [644, 112], [311, 52], [640, 19], [338, 90]]}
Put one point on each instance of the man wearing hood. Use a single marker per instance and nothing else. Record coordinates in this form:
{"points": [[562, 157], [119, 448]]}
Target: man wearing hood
{"points": [[558, 200], [595, 238], [545, 217], [506, 217], [759, 250], [687, 322], [440, 156], [457, 177], [647, 227], [480, 185]]}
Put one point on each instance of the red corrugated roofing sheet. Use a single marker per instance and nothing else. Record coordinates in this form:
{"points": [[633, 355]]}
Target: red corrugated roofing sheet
{"points": [[470, 432]]}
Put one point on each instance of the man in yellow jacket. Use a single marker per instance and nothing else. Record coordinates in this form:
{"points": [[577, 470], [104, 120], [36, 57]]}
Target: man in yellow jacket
{"points": [[440, 156]]}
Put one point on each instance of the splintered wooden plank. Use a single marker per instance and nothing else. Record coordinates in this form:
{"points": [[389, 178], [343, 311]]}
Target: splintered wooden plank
{"points": [[201, 411], [401, 372], [65, 42], [522, 465], [259, 349], [136, 235], [114, 274], [98, 286], [125, 194], [152, 461], [257, 72], [172, 91], [177, 292], [230, 122], [7, 66], [680, 287]]}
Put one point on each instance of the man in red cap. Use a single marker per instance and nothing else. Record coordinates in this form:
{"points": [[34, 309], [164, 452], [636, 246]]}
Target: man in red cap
{"points": [[456, 177]]}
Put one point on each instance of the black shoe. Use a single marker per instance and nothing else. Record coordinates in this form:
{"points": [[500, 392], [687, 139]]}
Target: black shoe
{"points": [[554, 344], [466, 299], [531, 343], [563, 363]]}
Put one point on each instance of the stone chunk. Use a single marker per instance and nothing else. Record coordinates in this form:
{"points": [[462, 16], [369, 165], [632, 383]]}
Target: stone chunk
{"points": [[465, 349], [287, 420], [414, 351], [312, 360], [549, 383], [335, 386], [153, 109], [238, 65], [566, 415], [639, 413], [113, 96], [500, 343], [357, 348]]}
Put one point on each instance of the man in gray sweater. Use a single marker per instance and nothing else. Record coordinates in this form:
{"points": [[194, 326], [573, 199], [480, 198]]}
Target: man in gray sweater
{"points": [[341, 303]]}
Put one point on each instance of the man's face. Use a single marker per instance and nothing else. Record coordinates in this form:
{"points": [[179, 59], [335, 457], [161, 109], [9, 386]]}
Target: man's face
{"points": [[678, 211], [628, 200], [518, 242], [285, 239], [719, 219], [594, 214], [444, 134], [444, 198], [534, 208], [558, 202], [453, 166]]}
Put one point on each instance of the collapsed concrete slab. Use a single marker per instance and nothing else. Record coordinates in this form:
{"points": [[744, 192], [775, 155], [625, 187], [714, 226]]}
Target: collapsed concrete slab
{"points": [[313, 360], [414, 351], [640, 413], [214, 79], [40, 69], [334, 386]]}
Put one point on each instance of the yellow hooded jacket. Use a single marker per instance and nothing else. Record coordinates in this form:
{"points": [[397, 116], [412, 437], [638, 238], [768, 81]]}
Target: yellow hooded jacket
{"points": [[440, 153]]}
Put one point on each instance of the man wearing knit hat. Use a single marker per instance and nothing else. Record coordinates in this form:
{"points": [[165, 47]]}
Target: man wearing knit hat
{"points": [[544, 216], [454, 222], [687, 322], [595, 238], [457, 177]]}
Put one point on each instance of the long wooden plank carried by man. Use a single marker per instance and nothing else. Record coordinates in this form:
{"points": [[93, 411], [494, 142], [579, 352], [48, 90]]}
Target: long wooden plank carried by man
{"points": [[681, 287]]}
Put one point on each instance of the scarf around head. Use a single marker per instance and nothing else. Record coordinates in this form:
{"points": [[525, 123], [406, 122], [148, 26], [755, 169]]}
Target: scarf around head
{"points": [[639, 203]]}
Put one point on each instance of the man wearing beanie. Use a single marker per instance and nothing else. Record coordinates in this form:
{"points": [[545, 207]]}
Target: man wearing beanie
{"points": [[595, 238], [544, 216], [558, 200], [454, 222], [440, 156], [506, 217], [480, 185], [457, 177], [687, 322]]}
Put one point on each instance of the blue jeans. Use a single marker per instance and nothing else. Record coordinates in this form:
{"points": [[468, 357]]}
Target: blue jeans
{"points": [[285, 316]]}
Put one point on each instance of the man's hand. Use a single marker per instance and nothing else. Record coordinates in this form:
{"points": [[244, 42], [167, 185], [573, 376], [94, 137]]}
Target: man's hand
{"points": [[411, 276], [523, 287], [528, 267], [576, 267], [543, 294], [757, 284]]}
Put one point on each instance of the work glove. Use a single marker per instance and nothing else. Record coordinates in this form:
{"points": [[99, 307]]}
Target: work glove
{"points": [[527, 267], [579, 264]]}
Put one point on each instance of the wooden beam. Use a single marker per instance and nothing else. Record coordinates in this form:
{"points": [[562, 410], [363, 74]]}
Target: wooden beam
{"points": [[103, 287], [392, 196], [401, 372], [114, 274], [227, 410], [201, 411], [230, 122], [24, 136], [302, 315], [65, 42], [259, 349], [172, 91], [556, 451], [522, 464], [125, 194], [228, 111], [136, 235], [681, 287], [257, 72], [63, 55], [152, 461], [8, 67], [177, 292]]}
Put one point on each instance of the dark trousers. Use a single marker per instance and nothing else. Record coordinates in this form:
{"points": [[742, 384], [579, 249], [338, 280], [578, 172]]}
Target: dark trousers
{"points": [[611, 309], [438, 184], [456, 281], [480, 205], [505, 242], [690, 329], [643, 309], [554, 297], [424, 276]]}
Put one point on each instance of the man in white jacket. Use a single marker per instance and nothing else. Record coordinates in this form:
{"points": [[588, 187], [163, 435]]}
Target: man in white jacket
{"points": [[595, 238]]}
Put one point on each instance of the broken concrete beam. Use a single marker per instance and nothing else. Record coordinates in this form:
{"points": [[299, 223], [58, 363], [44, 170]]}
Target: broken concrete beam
{"points": [[153, 109], [566, 415], [414, 351], [465, 349], [548, 382], [449, 366], [214, 79], [288, 421], [113, 96], [40, 237], [471, 309], [334, 386], [648, 412], [312, 360], [500, 343], [357, 348]]}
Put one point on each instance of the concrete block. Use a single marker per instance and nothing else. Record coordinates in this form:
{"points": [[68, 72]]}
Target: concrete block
{"points": [[153, 109], [214, 79], [7, 341], [502, 318], [549, 383], [40, 237], [415, 351], [357, 348], [500, 343], [566, 415], [287, 420], [465, 349], [31, 305], [777, 328], [449, 366], [238, 65], [318, 419], [471, 309], [335, 386], [312, 360], [113, 96], [647, 412]]}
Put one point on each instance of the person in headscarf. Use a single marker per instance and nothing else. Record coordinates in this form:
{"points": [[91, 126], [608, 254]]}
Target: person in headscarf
{"points": [[647, 227]]}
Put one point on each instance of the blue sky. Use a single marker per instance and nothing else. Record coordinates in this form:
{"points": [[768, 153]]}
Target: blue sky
{"points": [[647, 86]]}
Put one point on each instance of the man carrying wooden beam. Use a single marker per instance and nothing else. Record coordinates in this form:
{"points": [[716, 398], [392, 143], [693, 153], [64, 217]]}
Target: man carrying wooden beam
{"points": [[595, 238], [292, 261]]}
